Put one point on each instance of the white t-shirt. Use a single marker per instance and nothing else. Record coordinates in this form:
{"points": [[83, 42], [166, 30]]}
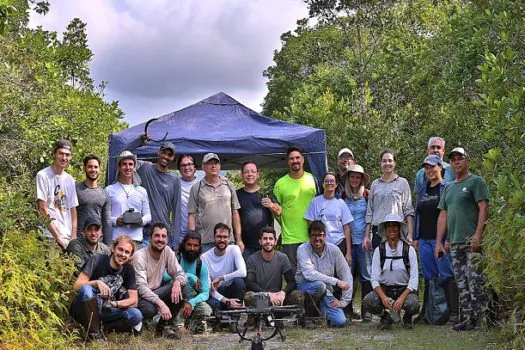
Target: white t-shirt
{"points": [[60, 194], [230, 265], [334, 213], [185, 187]]}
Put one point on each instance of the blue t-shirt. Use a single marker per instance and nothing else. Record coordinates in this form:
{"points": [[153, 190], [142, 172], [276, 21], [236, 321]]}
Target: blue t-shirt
{"points": [[358, 211], [334, 213]]}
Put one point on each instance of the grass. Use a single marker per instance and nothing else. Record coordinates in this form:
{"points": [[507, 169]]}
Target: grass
{"points": [[358, 336]]}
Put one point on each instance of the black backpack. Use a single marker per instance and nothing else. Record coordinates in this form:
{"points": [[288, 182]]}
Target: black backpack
{"points": [[436, 309], [404, 256]]}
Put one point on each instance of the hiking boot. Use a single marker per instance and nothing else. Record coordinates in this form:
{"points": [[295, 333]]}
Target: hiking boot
{"points": [[200, 327], [407, 322], [386, 321], [167, 331], [467, 325]]}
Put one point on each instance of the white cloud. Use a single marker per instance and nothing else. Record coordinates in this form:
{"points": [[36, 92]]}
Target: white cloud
{"points": [[160, 55]]}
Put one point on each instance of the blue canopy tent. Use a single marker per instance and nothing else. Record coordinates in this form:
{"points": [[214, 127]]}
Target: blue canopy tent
{"points": [[236, 133]]}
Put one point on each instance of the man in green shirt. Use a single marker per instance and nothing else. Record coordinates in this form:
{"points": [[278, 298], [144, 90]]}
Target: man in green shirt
{"points": [[294, 192], [463, 216]]}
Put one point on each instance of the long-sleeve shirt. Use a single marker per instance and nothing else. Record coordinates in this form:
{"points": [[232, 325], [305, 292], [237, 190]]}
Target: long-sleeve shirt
{"points": [[94, 202], [164, 194], [149, 271], [399, 276], [230, 265], [325, 267], [191, 275], [121, 200], [393, 197]]}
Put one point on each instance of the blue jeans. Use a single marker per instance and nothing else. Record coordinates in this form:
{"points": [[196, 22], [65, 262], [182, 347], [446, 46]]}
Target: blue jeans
{"points": [[431, 266], [132, 315], [234, 290], [361, 262], [335, 315]]}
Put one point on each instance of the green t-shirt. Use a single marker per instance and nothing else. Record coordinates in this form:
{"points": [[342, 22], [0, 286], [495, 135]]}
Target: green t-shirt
{"points": [[460, 200], [294, 196]]}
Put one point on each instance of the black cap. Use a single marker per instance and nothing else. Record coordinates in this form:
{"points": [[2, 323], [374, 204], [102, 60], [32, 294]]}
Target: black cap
{"points": [[92, 221], [64, 144]]}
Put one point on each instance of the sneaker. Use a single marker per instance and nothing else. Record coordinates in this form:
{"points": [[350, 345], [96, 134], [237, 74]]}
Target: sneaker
{"points": [[98, 337], [386, 321], [366, 317], [199, 328], [467, 325], [168, 332]]}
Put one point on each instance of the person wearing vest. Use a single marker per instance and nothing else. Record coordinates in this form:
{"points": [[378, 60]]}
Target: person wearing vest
{"points": [[394, 277]]}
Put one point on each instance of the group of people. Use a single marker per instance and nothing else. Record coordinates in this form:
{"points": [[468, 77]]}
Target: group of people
{"points": [[183, 248]]}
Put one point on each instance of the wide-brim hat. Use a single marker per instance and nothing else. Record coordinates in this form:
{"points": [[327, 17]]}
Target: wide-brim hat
{"points": [[356, 168]]}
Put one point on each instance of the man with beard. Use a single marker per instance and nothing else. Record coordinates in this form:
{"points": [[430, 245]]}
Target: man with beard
{"points": [[163, 188], [266, 270], [128, 198], [57, 197], [227, 271], [87, 245], [187, 168], [107, 291], [293, 193], [93, 200], [321, 267], [150, 264], [195, 308]]}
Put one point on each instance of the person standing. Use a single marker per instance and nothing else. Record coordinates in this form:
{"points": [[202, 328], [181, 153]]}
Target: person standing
{"points": [[254, 211], [212, 200], [436, 145], [294, 192], [129, 202], [57, 197], [464, 207], [93, 200], [345, 158], [187, 168], [163, 188]]}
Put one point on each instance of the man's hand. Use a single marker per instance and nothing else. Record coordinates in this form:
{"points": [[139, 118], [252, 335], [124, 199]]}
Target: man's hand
{"points": [[165, 312], [348, 257], [266, 202], [367, 244], [415, 244], [103, 289], [187, 309], [386, 302], [120, 221], [235, 303], [439, 251], [176, 294], [336, 303], [240, 244], [398, 304], [61, 243], [197, 285], [475, 243], [216, 282], [342, 284], [277, 298]]}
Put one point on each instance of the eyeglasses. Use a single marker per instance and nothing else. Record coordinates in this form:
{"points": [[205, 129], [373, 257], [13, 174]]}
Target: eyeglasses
{"points": [[329, 182], [186, 165]]}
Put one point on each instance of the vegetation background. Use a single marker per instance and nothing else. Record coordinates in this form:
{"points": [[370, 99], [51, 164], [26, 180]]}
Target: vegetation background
{"points": [[372, 73]]}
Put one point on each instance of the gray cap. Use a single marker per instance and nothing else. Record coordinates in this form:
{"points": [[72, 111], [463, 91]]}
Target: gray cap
{"points": [[63, 144], [458, 150], [126, 155], [167, 145], [92, 220], [209, 157]]}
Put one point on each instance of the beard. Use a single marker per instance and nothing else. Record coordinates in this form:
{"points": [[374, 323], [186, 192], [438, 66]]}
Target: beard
{"points": [[189, 256]]}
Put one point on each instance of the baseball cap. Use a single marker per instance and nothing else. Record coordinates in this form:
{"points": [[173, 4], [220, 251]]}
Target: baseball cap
{"points": [[167, 145], [209, 157], [458, 150], [126, 155], [63, 144], [345, 150], [432, 159], [92, 220]]}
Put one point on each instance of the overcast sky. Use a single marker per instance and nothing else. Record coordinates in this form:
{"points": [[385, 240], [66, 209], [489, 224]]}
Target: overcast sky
{"points": [[159, 56]]}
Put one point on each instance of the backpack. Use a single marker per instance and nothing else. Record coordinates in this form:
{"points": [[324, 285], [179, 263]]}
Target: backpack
{"points": [[404, 256], [436, 310]]}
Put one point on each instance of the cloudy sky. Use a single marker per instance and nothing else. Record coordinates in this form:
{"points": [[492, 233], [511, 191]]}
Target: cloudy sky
{"points": [[159, 56]]}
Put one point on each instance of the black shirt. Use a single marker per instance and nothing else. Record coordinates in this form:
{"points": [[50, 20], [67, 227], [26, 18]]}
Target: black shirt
{"points": [[253, 217], [428, 212], [98, 268]]}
